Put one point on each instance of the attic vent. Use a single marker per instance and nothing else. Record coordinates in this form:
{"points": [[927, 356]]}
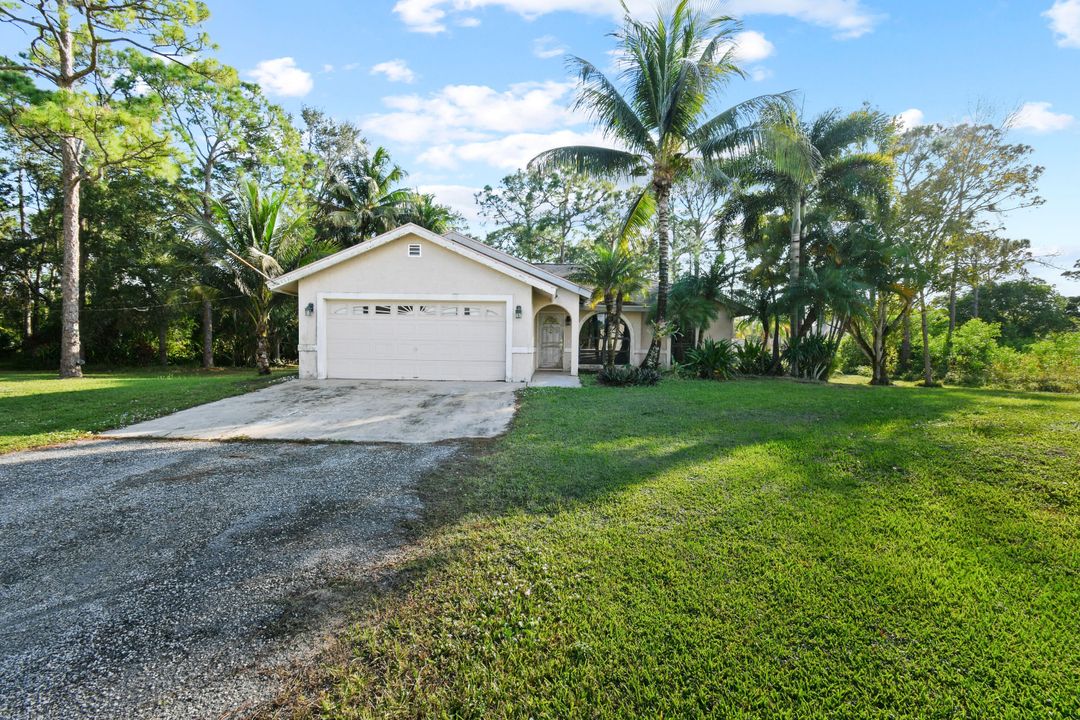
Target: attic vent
{"points": [[414, 250]]}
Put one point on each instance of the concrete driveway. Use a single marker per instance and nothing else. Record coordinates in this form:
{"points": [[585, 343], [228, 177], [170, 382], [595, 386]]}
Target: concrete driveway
{"points": [[165, 579], [403, 411]]}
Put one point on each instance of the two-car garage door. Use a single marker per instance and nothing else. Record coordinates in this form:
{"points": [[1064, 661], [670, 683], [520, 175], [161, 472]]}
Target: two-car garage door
{"points": [[405, 339]]}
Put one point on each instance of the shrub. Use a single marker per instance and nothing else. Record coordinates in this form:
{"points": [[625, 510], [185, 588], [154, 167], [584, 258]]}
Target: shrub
{"points": [[1051, 364], [849, 357], [754, 358], [713, 359], [627, 375], [973, 350], [814, 356]]}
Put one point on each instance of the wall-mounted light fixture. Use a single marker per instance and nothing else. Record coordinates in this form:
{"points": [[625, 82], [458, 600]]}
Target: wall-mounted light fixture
{"points": [[310, 309], [567, 321], [517, 312]]}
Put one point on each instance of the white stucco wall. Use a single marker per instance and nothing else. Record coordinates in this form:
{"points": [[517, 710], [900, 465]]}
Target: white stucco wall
{"points": [[722, 328], [389, 269]]}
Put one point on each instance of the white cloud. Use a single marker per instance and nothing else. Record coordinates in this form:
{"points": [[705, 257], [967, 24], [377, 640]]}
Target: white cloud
{"points": [[1065, 22], [328, 68], [547, 46], [468, 22], [510, 152], [395, 71], [847, 17], [910, 118], [1038, 117], [280, 76], [752, 47], [459, 113], [459, 197], [758, 74]]}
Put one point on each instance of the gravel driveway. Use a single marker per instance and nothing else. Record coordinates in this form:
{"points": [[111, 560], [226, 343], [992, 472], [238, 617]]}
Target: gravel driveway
{"points": [[161, 578]]}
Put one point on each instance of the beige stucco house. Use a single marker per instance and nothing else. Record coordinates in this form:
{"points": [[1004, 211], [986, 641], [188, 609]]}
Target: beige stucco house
{"points": [[413, 304]]}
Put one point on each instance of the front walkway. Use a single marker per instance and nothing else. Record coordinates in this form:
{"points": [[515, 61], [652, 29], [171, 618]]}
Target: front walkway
{"points": [[554, 378]]}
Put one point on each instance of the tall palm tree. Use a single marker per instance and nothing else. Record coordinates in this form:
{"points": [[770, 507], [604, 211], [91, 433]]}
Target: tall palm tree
{"points": [[673, 67], [255, 239], [364, 199], [615, 273], [836, 169]]}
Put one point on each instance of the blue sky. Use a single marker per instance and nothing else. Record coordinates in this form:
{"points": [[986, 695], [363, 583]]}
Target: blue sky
{"points": [[464, 91]]}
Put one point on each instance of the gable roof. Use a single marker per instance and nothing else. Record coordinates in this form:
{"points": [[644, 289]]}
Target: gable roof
{"points": [[539, 269], [454, 242]]}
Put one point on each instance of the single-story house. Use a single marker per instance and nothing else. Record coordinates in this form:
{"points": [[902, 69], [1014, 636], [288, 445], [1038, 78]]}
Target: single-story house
{"points": [[413, 304]]}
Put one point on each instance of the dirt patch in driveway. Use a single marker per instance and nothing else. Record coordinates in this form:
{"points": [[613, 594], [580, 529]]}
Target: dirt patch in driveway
{"points": [[169, 579]]}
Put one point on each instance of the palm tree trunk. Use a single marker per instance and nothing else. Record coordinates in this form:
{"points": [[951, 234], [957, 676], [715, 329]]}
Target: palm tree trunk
{"points": [[262, 347], [795, 265], [663, 238], [208, 334], [609, 341]]}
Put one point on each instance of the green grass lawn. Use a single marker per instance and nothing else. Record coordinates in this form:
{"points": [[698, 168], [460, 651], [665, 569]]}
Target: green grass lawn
{"points": [[756, 549], [37, 409]]}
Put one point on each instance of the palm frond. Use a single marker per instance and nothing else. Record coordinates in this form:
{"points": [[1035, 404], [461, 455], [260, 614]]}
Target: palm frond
{"points": [[591, 160]]}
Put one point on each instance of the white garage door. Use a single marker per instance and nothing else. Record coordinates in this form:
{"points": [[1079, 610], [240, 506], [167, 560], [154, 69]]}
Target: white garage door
{"points": [[404, 339]]}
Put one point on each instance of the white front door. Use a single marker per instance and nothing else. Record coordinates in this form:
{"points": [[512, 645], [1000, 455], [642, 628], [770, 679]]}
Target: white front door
{"points": [[551, 342]]}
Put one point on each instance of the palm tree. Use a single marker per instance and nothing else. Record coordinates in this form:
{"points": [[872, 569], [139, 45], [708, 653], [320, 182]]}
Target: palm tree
{"points": [[834, 170], [615, 273], [256, 239], [363, 199], [694, 301], [423, 210], [673, 68]]}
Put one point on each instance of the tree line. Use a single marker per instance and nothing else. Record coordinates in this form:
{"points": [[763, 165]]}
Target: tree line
{"points": [[146, 192], [841, 227]]}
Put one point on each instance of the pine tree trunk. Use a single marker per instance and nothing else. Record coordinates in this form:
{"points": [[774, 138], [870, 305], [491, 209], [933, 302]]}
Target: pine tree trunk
{"points": [[70, 344], [71, 179], [207, 305]]}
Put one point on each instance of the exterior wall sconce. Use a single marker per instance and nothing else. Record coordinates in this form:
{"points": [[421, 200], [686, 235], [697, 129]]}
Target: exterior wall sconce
{"points": [[517, 312], [567, 321], [310, 309]]}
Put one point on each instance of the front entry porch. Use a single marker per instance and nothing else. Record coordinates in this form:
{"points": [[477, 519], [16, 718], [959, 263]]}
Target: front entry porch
{"points": [[556, 335]]}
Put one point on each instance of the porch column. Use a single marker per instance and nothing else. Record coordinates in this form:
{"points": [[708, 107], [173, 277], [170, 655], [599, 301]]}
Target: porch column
{"points": [[574, 311]]}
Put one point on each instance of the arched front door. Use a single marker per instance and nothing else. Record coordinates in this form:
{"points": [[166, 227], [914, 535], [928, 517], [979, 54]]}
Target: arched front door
{"points": [[551, 342]]}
